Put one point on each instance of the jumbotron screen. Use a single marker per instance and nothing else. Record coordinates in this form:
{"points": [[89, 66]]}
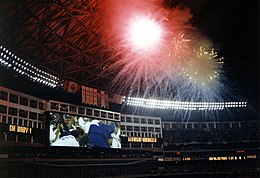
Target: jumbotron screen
{"points": [[76, 131]]}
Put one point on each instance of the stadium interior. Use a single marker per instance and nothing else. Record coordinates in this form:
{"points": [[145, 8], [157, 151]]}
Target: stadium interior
{"points": [[60, 116]]}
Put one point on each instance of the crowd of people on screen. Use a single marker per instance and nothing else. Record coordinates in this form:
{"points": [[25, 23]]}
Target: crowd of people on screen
{"points": [[74, 131]]}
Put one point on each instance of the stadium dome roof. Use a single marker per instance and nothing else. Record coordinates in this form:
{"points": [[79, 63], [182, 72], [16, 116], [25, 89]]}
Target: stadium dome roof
{"points": [[57, 36]]}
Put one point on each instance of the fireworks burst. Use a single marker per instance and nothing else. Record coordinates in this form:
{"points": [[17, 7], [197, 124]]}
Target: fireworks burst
{"points": [[144, 34], [137, 38], [156, 52], [204, 67]]}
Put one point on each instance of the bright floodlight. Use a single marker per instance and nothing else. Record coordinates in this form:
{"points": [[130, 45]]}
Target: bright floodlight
{"points": [[144, 33], [182, 105]]}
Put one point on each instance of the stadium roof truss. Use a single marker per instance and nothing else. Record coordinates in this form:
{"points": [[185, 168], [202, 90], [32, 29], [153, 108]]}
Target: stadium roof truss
{"points": [[59, 36]]}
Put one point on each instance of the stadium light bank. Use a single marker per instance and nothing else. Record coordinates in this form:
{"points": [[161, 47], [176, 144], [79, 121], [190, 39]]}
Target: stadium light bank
{"points": [[180, 105], [17, 64]]}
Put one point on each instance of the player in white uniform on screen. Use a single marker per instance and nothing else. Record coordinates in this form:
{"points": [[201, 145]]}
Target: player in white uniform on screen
{"points": [[70, 140], [85, 123], [116, 142]]}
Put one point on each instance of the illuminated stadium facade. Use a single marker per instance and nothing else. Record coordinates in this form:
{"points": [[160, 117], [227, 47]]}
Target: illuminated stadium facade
{"points": [[113, 102]]}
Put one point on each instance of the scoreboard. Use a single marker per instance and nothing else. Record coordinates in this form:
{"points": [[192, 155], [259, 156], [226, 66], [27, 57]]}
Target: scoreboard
{"points": [[20, 129], [9, 128], [17, 134], [142, 139]]}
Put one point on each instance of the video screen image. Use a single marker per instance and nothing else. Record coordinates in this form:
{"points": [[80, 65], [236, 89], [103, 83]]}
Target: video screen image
{"points": [[75, 131]]}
